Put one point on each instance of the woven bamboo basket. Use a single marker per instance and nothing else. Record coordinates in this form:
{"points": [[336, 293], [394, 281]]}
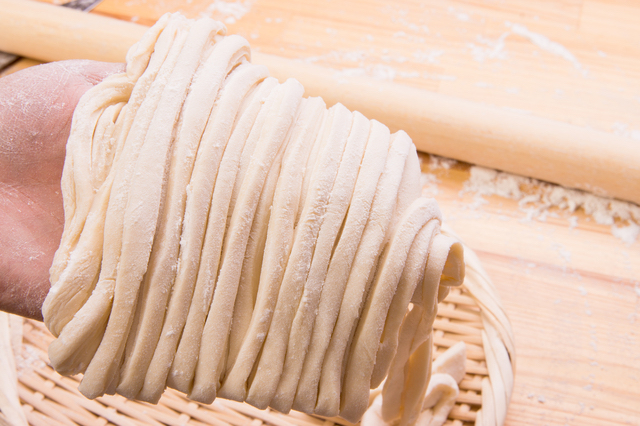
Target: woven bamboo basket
{"points": [[471, 313]]}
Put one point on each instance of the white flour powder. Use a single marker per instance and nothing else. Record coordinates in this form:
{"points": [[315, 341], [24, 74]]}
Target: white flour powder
{"points": [[537, 197]]}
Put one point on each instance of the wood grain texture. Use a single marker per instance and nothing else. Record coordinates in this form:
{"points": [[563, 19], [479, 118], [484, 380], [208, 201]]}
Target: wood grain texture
{"points": [[454, 48], [572, 292], [573, 296], [441, 123]]}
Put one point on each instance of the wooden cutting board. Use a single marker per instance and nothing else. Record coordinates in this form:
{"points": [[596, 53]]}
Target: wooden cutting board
{"points": [[571, 288]]}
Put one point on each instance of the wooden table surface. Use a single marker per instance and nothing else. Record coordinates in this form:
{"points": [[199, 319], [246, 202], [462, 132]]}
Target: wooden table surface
{"points": [[570, 287]]}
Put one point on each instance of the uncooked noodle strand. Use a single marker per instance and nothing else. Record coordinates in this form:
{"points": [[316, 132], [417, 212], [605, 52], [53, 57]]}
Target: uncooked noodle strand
{"points": [[226, 237]]}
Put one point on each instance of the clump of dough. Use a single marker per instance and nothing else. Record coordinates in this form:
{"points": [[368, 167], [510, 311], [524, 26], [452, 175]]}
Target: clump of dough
{"points": [[225, 236]]}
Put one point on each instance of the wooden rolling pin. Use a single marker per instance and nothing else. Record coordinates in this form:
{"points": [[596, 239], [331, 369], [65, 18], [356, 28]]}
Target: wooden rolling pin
{"points": [[576, 157]]}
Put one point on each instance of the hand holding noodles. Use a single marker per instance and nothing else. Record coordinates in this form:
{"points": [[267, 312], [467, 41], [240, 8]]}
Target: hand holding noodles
{"points": [[226, 237]]}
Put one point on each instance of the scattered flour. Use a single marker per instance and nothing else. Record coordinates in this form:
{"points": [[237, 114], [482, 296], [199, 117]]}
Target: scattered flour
{"points": [[441, 77], [486, 48], [377, 72], [429, 183], [430, 56], [628, 233], [623, 129], [409, 37], [28, 360], [389, 58], [548, 45], [411, 74], [489, 49], [437, 162], [536, 198], [419, 27], [227, 11], [340, 55], [461, 16]]}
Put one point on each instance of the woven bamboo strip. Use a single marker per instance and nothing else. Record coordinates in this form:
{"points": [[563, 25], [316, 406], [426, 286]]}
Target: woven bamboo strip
{"points": [[471, 318], [45, 406], [457, 328]]}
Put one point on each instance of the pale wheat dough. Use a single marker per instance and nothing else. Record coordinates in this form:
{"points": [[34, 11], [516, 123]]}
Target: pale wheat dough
{"points": [[439, 400], [307, 369], [257, 234], [451, 362], [277, 248], [198, 269], [304, 246], [285, 204], [447, 371], [312, 163], [266, 113], [333, 218], [409, 189], [279, 342], [216, 329], [85, 329], [441, 393], [184, 363], [359, 367], [411, 277], [415, 334], [183, 366], [78, 267], [162, 269], [103, 142], [246, 157], [244, 140], [192, 238], [415, 388], [295, 341], [241, 241], [259, 131], [250, 273], [361, 276], [280, 240], [82, 270], [143, 206], [140, 66]]}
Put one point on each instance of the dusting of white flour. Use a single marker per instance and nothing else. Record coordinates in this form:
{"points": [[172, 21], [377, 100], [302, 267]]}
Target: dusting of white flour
{"points": [[548, 45], [227, 11], [487, 49], [536, 198]]}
